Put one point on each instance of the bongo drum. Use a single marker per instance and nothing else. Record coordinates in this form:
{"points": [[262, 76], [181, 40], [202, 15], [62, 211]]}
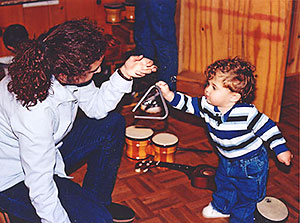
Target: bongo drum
{"points": [[129, 11], [113, 12], [137, 142], [164, 146], [270, 210]]}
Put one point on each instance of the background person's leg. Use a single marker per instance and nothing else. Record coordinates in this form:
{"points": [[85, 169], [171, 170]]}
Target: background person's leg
{"points": [[143, 42], [163, 32], [142, 30]]}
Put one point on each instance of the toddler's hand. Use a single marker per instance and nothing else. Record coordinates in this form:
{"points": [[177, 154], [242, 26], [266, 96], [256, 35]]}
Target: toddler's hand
{"points": [[138, 66], [285, 157], [165, 90]]}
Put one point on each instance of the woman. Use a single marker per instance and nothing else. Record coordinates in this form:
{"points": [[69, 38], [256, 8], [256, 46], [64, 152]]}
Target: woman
{"points": [[39, 141]]}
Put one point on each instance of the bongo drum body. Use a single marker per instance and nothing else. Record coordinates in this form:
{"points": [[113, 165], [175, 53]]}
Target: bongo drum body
{"points": [[113, 12], [164, 146], [271, 210], [129, 11], [137, 142]]}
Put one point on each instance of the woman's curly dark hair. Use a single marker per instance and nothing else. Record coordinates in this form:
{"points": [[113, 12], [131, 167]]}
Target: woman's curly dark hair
{"points": [[236, 74], [69, 48]]}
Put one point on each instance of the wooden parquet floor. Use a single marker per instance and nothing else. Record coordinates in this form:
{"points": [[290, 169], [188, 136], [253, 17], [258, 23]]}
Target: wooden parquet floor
{"points": [[166, 196]]}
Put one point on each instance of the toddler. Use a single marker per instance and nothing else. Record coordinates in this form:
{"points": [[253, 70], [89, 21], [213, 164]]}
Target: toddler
{"points": [[239, 132]]}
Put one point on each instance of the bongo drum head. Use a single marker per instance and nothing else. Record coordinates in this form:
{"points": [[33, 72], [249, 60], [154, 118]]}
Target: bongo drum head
{"points": [[165, 139], [138, 133], [272, 209]]}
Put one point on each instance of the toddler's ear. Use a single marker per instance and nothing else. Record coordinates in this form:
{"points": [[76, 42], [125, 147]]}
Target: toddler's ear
{"points": [[235, 97]]}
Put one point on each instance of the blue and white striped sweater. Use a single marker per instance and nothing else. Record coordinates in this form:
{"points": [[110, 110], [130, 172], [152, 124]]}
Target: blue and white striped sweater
{"points": [[242, 130]]}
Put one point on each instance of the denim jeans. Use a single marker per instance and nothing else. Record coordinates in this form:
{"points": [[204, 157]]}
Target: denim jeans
{"points": [[240, 185], [155, 37], [99, 143]]}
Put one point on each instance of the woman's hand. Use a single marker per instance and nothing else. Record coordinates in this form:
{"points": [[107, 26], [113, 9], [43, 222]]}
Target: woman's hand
{"points": [[165, 90], [285, 157], [137, 66]]}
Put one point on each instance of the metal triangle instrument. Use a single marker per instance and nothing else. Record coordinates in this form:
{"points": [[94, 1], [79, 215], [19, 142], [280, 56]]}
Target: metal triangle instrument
{"points": [[165, 107]]}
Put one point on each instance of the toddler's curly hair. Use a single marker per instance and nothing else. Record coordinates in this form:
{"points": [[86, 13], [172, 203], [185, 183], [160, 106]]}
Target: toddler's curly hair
{"points": [[236, 74]]}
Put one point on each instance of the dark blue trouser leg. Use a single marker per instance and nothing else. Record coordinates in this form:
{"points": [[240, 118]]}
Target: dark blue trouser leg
{"points": [[142, 30], [164, 39], [99, 143], [155, 36]]}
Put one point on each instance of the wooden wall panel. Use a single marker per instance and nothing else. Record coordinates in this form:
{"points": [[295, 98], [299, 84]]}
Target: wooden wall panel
{"points": [[100, 16], [39, 19], [57, 13], [76, 9], [253, 29], [36, 20], [293, 64], [9, 15]]}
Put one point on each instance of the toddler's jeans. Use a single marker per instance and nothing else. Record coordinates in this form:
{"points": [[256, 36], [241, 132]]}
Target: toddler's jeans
{"points": [[241, 183]]}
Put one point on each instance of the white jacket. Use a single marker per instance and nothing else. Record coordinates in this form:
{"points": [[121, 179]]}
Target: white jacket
{"points": [[29, 139]]}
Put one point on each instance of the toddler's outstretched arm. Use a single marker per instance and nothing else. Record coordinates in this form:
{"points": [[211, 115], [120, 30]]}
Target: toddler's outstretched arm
{"points": [[165, 90]]}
